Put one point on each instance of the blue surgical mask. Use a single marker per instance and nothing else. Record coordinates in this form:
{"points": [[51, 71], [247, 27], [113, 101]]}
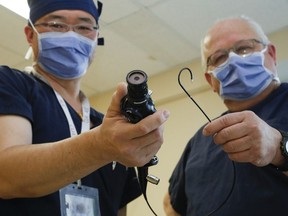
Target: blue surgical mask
{"points": [[64, 55], [243, 78]]}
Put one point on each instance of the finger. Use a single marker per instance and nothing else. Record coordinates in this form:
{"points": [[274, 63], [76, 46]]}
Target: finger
{"points": [[150, 123], [241, 157], [150, 150], [231, 133], [222, 122], [155, 136], [237, 145], [142, 149], [246, 157]]}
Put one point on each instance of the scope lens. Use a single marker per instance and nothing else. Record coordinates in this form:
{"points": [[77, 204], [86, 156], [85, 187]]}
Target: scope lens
{"points": [[136, 77]]}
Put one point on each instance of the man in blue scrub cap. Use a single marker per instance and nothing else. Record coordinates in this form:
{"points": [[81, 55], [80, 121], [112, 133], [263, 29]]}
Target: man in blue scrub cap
{"points": [[56, 152]]}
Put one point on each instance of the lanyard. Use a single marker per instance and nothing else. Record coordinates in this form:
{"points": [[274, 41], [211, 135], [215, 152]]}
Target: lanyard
{"points": [[85, 119], [85, 110]]}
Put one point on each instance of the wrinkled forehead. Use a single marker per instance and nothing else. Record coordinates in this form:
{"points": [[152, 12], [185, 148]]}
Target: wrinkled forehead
{"points": [[225, 33]]}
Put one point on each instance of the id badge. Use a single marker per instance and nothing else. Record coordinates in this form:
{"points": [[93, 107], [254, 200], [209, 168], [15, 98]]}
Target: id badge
{"points": [[79, 201]]}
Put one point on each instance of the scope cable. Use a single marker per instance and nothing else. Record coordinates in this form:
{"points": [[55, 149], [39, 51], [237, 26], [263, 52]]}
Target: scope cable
{"points": [[234, 167]]}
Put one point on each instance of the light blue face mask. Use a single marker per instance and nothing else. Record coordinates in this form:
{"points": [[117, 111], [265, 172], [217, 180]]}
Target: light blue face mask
{"points": [[243, 78], [64, 55]]}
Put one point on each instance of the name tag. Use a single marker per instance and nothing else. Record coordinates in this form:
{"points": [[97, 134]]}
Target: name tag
{"points": [[79, 201]]}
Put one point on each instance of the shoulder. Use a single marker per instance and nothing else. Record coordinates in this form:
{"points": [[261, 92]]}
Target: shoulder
{"points": [[284, 86], [6, 70], [13, 75], [280, 93]]}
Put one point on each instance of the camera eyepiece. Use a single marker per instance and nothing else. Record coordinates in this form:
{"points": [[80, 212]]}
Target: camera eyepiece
{"points": [[137, 85], [136, 77], [137, 104]]}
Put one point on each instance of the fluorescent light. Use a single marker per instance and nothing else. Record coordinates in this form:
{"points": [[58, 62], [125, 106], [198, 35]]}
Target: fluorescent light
{"points": [[19, 7]]}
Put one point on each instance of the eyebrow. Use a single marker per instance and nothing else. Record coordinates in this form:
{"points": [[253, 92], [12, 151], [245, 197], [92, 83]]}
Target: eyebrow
{"points": [[51, 17], [63, 18]]}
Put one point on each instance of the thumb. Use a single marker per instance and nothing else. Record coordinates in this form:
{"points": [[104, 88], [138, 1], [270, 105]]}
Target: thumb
{"points": [[120, 92]]}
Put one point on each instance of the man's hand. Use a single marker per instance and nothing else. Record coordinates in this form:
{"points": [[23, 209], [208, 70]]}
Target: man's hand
{"points": [[246, 138], [127, 143]]}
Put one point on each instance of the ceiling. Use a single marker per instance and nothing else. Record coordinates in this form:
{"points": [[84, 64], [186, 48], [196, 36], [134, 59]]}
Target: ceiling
{"points": [[151, 35]]}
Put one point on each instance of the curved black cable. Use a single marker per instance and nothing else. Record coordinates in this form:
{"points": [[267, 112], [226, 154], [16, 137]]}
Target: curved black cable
{"points": [[191, 77], [234, 168], [229, 194], [142, 174]]}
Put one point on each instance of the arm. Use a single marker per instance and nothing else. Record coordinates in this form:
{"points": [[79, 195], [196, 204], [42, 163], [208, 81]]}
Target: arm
{"points": [[28, 170], [168, 209]]}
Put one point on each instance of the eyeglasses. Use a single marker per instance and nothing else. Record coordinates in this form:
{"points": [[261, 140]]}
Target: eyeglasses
{"points": [[83, 29], [243, 48]]}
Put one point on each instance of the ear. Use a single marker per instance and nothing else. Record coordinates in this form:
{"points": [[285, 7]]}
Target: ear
{"points": [[272, 52], [208, 78], [212, 82], [29, 34]]}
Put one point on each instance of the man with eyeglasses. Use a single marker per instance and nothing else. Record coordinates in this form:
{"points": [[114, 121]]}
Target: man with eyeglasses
{"points": [[58, 154], [235, 164]]}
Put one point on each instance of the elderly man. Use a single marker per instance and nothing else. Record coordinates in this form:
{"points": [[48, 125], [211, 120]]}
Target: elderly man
{"points": [[235, 165]]}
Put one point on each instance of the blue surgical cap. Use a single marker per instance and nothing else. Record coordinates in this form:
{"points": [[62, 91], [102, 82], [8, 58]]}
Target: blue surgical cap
{"points": [[39, 8]]}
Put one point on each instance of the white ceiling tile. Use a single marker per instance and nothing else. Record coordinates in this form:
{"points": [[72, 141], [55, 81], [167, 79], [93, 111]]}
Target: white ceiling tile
{"points": [[105, 73], [116, 9], [191, 18], [154, 36], [151, 35], [150, 2]]}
